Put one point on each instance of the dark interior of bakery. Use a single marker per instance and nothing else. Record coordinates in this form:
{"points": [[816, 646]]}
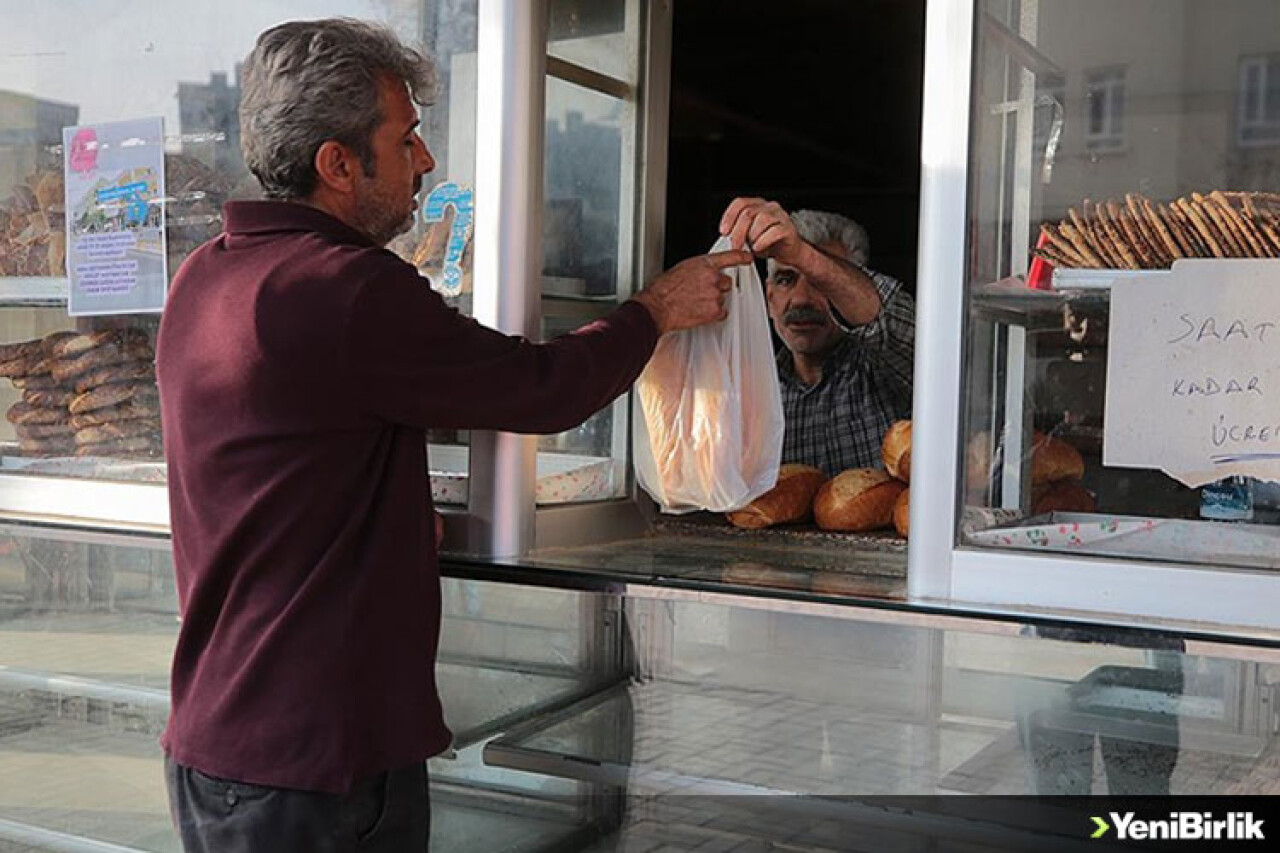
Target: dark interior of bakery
{"points": [[811, 103]]}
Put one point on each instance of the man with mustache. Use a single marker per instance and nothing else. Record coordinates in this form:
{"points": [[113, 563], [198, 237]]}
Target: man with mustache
{"points": [[848, 333], [300, 364]]}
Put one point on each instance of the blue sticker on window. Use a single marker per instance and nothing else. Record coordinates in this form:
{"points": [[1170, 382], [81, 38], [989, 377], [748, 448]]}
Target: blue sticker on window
{"points": [[462, 201]]}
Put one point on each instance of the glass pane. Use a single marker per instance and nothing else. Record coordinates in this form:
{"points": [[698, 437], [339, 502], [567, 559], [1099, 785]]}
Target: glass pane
{"points": [[184, 68], [1149, 169], [87, 633], [871, 708], [587, 133], [585, 262], [1272, 91], [86, 637], [80, 396], [1250, 94], [592, 33], [1097, 102]]}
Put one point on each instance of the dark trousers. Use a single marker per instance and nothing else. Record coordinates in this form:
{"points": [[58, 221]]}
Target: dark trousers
{"points": [[386, 813]]}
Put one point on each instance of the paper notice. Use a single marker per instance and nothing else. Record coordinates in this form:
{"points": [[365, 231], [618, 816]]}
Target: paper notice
{"points": [[1193, 372]]}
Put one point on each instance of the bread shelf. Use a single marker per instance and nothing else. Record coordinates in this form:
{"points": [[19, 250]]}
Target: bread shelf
{"points": [[1100, 280], [33, 291]]}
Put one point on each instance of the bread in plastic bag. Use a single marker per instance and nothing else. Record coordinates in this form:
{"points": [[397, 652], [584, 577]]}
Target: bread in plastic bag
{"points": [[707, 432]]}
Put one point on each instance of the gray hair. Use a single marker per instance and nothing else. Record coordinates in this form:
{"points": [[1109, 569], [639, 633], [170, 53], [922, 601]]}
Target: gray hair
{"points": [[307, 82], [819, 226]]}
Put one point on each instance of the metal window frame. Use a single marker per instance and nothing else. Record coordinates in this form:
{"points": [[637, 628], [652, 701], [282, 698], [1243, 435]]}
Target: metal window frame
{"points": [[513, 67]]}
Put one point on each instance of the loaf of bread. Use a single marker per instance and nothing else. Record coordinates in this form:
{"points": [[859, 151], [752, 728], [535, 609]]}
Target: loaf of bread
{"points": [[1062, 496], [896, 451], [103, 433], [59, 446], [902, 513], [683, 453], [9, 353], [112, 395], [23, 412], [790, 500], [856, 500], [71, 345], [1053, 459], [49, 343], [137, 445], [128, 371], [41, 431], [35, 382], [142, 408], [48, 398], [130, 349]]}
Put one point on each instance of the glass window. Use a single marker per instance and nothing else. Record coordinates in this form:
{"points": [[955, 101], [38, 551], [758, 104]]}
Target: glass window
{"points": [[87, 633], [596, 35], [1160, 158], [87, 406], [589, 198], [1104, 103], [1258, 109]]}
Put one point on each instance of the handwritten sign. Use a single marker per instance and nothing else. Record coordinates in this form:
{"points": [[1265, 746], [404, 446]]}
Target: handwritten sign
{"points": [[115, 217], [1193, 371]]}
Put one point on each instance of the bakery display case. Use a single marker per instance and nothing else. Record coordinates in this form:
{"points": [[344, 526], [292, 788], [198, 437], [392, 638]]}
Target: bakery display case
{"points": [[1113, 193], [81, 440], [1061, 621], [87, 627], [594, 713]]}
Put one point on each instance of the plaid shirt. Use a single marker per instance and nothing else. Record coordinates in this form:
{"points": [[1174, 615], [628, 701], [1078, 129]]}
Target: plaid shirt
{"points": [[840, 422]]}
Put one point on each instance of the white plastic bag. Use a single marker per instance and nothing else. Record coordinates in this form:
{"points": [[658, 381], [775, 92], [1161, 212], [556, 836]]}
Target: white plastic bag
{"points": [[708, 428]]}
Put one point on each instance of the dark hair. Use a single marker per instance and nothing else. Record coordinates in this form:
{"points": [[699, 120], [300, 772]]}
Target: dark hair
{"points": [[307, 82]]}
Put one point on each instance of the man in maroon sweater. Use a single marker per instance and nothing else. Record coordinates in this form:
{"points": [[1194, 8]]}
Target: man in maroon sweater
{"points": [[300, 364]]}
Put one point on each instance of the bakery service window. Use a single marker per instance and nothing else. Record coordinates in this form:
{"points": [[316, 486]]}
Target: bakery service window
{"points": [[1121, 256]]}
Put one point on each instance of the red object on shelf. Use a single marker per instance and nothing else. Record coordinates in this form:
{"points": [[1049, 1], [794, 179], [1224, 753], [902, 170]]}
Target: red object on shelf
{"points": [[1040, 275]]}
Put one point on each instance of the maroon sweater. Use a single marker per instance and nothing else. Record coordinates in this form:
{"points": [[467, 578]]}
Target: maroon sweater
{"points": [[299, 365]]}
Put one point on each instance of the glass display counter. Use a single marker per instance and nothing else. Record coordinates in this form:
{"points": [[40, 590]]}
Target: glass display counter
{"points": [[575, 695], [1099, 169], [87, 628]]}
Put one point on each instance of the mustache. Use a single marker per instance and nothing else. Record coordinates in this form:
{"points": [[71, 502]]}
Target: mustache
{"points": [[803, 314]]}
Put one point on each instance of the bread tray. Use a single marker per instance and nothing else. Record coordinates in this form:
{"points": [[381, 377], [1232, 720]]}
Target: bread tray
{"points": [[1240, 544], [88, 468], [562, 477], [1081, 279]]}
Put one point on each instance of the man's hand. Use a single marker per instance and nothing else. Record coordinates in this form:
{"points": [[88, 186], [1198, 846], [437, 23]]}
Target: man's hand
{"points": [[764, 228], [692, 292], [439, 529]]}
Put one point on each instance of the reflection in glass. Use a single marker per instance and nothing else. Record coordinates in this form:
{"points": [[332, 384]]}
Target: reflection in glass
{"points": [[584, 260], [87, 632], [1092, 153], [591, 33], [58, 72], [584, 142]]}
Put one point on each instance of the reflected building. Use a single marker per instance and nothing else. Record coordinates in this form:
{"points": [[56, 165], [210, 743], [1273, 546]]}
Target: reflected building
{"points": [[1191, 106], [209, 116], [31, 135], [580, 218]]}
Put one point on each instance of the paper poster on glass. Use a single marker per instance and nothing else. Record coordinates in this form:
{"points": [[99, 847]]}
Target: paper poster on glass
{"points": [[115, 217]]}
